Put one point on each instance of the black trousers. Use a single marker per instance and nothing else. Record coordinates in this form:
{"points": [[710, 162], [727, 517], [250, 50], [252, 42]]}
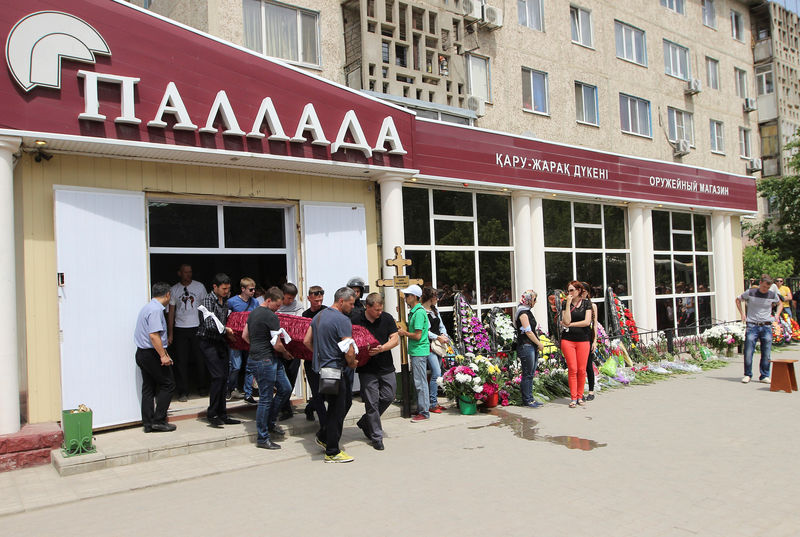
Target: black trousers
{"points": [[216, 353], [292, 367], [157, 384], [317, 401], [189, 362], [330, 430]]}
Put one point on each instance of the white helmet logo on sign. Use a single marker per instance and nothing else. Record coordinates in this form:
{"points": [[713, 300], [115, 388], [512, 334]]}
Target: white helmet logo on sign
{"points": [[37, 43]]}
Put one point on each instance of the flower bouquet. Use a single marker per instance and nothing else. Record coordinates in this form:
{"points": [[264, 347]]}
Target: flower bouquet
{"points": [[500, 328], [724, 337], [461, 383], [470, 335], [795, 327], [491, 374]]}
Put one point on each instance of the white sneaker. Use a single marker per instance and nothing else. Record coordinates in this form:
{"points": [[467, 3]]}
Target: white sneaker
{"points": [[745, 380], [765, 380]]}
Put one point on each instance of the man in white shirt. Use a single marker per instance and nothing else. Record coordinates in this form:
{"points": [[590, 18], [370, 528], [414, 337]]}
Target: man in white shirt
{"points": [[183, 320], [290, 306]]}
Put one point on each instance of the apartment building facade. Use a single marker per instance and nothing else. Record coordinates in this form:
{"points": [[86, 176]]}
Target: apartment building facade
{"points": [[171, 142]]}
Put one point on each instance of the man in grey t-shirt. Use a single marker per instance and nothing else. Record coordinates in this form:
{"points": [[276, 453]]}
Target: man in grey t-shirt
{"points": [[759, 325]]}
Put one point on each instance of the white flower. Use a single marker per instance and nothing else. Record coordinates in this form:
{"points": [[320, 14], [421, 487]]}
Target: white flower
{"points": [[463, 378], [440, 382], [477, 388], [477, 380], [473, 366]]}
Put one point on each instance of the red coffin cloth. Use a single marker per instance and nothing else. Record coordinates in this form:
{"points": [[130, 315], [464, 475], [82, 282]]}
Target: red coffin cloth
{"points": [[297, 327]]}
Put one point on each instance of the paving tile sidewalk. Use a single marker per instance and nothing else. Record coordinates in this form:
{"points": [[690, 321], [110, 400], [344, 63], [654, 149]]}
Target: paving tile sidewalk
{"points": [[700, 450]]}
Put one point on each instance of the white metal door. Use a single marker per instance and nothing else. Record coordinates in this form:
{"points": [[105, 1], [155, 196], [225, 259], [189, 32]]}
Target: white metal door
{"points": [[334, 246], [101, 252]]}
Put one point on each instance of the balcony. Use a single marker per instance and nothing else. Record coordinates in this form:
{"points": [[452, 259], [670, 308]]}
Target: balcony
{"points": [[763, 50]]}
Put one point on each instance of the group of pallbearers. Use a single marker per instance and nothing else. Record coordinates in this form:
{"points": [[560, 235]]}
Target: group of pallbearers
{"points": [[330, 370]]}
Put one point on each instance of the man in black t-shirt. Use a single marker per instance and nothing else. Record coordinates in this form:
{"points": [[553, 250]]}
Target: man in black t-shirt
{"points": [[377, 377], [262, 332]]}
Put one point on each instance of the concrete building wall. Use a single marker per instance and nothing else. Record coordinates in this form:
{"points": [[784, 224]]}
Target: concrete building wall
{"points": [[36, 240]]}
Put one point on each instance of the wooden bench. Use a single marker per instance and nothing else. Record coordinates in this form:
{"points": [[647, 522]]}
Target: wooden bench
{"points": [[783, 378]]}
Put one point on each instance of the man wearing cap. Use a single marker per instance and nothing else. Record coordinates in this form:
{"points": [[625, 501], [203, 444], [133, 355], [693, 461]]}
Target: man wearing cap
{"points": [[419, 348], [358, 285]]}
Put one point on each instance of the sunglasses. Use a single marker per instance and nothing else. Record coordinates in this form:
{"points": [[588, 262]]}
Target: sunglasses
{"points": [[185, 291], [317, 293], [251, 289], [571, 290]]}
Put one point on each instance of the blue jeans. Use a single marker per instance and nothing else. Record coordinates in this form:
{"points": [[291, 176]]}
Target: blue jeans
{"points": [[419, 365], [757, 333], [435, 363], [269, 373], [528, 355], [249, 374], [235, 358]]}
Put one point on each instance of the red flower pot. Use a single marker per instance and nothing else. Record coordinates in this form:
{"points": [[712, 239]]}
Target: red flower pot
{"points": [[491, 401]]}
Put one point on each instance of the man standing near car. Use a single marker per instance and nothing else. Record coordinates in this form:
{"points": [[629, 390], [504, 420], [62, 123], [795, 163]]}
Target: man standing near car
{"points": [[759, 321], [377, 377]]}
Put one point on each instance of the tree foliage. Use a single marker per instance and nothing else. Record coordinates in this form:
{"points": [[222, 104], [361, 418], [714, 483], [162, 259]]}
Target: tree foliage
{"points": [[758, 261], [779, 232]]}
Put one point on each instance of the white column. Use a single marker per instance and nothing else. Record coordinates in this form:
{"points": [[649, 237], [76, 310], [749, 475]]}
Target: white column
{"points": [[539, 271], [730, 284], [391, 230], [9, 367], [648, 269], [720, 235], [523, 242], [638, 282]]}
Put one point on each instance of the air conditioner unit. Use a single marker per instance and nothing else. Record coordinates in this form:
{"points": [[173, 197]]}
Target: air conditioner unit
{"points": [[680, 148], [693, 86], [492, 17], [476, 104], [749, 104], [754, 165], [472, 10]]}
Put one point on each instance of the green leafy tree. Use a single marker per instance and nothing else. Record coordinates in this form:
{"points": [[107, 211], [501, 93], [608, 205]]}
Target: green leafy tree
{"points": [[779, 232], [757, 261]]}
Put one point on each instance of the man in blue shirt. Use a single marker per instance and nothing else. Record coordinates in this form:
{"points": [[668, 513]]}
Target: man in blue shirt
{"points": [[150, 338], [244, 301]]}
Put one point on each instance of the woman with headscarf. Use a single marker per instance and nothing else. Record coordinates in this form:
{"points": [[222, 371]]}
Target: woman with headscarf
{"points": [[575, 336], [528, 346]]}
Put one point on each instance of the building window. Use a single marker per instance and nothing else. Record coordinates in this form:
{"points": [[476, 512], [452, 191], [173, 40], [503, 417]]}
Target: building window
{"points": [[534, 91], [675, 5], [630, 43], [737, 25], [208, 235], [717, 136], [586, 242], [764, 83], [709, 14], [634, 115], [531, 14], [282, 31], [676, 60], [712, 71], [683, 268], [744, 142], [586, 104], [741, 82], [681, 125], [460, 242], [478, 76], [769, 140], [581, 23]]}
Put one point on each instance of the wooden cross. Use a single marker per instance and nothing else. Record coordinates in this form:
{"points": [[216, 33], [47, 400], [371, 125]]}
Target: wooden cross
{"points": [[401, 281]]}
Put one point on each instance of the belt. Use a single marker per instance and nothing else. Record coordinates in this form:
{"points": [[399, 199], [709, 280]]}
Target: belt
{"points": [[768, 323]]}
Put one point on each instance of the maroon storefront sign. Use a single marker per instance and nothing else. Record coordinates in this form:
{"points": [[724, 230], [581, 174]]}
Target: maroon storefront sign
{"points": [[450, 151], [102, 69]]}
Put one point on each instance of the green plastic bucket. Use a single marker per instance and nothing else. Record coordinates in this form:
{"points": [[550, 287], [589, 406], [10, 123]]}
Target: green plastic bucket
{"points": [[467, 406]]}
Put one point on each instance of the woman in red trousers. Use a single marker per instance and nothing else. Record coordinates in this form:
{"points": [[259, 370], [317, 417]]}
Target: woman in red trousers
{"points": [[576, 339]]}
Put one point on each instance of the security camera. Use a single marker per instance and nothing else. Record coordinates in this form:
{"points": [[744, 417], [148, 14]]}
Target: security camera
{"points": [[42, 155]]}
